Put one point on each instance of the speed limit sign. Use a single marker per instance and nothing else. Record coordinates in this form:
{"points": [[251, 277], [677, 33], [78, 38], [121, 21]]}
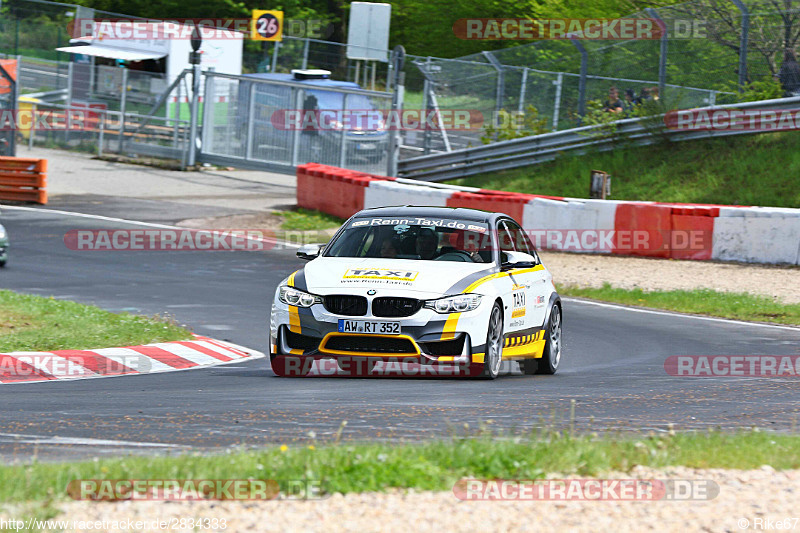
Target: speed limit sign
{"points": [[267, 25]]}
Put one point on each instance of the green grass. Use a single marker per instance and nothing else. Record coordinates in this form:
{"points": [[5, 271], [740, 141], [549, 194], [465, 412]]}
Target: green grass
{"points": [[306, 220], [745, 170], [739, 306], [433, 465], [35, 323]]}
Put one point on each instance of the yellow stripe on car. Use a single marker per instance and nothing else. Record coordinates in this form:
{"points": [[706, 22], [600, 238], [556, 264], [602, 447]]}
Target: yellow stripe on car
{"points": [[294, 315]]}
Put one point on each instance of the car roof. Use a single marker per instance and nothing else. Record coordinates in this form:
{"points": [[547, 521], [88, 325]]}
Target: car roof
{"points": [[316, 82], [430, 211]]}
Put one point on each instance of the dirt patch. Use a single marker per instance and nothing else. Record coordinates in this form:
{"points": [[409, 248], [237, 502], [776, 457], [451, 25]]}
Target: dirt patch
{"points": [[744, 498]]}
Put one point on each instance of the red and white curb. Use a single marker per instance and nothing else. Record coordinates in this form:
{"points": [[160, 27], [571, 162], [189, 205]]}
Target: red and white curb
{"points": [[60, 365]]}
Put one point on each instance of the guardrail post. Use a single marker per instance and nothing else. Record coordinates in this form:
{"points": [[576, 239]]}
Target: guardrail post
{"points": [[207, 132], [662, 54], [305, 54], [557, 103], [582, 79], [522, 90], [122, 107], [426, 105], [251, 98], [396, 62], [743, 43], [177, 116], [194, 114]]}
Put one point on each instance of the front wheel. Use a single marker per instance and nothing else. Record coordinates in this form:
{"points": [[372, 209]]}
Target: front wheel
{"points": [[494, 344], [551, 357]]}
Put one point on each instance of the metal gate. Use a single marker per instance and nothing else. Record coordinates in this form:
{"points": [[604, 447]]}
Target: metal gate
{"points": [[245, 126]]}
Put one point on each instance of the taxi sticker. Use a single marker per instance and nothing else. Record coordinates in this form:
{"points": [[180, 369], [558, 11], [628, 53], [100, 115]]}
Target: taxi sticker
{"points": [[380, 273]]}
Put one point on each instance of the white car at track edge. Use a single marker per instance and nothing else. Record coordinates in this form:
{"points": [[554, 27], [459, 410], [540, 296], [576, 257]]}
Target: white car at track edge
{"points": [[432, 285]]}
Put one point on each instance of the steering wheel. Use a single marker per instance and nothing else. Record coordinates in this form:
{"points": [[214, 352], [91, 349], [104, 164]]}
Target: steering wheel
{"points": [[457, 255]]}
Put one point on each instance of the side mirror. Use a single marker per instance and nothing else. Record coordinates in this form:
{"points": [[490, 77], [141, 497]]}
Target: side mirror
{"points": [[309, 251], [509, 260]]}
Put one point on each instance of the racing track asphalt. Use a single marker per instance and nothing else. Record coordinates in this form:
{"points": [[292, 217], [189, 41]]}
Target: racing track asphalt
{"points": [[612, 365]]}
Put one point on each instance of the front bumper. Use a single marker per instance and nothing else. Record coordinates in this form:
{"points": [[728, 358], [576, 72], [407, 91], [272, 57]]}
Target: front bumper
{"points": [[425, 337]]}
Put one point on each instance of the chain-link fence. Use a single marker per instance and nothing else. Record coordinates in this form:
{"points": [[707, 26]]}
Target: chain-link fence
{"points": [[714, 50]]}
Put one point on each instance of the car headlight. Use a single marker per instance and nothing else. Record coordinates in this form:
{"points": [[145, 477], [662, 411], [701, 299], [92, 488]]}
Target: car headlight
{"points": [[292, 296], [454, 304], [2, 232]]}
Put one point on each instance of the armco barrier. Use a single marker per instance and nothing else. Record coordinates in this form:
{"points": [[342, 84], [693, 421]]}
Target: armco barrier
{"points": [[675, 231], [23, 179]]}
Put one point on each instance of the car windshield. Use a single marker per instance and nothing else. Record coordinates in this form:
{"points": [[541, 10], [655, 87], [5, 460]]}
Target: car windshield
{"points": [[420, 238]]}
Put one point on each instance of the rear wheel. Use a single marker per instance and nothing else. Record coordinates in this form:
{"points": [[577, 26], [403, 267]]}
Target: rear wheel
{"points": [[494, 344]]}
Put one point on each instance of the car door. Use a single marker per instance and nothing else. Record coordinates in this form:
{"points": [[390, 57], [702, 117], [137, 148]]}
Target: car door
{"points": [[515, 291], [534, 280]]}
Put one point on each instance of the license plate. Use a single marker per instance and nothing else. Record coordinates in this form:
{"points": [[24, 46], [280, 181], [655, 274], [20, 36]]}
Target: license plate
{"points": [[366, 146], [369, 326]]}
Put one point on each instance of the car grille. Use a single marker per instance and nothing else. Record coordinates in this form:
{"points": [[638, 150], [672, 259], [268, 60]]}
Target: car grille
{"points": [[395, 307], [345, 304], [369, 344]]}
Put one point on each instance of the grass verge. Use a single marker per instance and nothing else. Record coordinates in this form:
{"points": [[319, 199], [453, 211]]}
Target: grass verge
{"points": [[742, 170], [36, 323], [307, 220], [739, 306], [434, 465]]}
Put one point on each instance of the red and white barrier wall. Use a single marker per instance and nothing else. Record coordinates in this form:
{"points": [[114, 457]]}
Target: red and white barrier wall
{"points": [[675, 231]]}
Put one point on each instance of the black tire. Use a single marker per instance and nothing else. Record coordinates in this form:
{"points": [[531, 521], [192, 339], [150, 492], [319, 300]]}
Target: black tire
{"points": [[494, 344], [553, 346], [2, 264]]}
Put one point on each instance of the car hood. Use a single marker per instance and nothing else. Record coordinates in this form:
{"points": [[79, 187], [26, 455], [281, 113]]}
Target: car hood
{"points": [[326, 275]]}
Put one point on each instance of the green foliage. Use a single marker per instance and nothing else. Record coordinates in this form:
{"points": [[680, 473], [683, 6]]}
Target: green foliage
{"points": [[307, 219], [512, 125], [34, 323], [766, 89]]}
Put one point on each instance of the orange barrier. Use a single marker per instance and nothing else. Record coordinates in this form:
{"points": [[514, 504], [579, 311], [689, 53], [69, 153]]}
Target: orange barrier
{"points": [[332, 190], [509, 203], [23, 179]]}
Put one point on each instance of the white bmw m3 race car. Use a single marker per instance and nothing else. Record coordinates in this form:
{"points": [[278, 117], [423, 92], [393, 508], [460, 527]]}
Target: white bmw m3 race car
{"points": [[450, 289]]}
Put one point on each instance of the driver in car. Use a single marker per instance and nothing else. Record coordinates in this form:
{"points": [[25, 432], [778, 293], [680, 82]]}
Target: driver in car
{"points": [[427, 243]]}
